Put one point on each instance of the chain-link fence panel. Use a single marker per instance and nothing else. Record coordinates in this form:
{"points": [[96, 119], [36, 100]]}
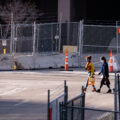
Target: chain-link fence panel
{"points": [[48, 38], [118, 37], [23, 38], [69, 34], [74, 114], [5, 38], [71, 112], [98, 41]]}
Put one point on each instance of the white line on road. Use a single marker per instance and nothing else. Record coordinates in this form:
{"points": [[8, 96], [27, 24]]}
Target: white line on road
{"points": [[16, 90], [20, 103]]}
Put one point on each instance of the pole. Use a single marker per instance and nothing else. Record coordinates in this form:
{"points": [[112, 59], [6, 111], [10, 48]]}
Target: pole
{"points": [[48, 115], [80, 42], [117, 37], [52, 38], [38, 37], [34, 37], [60, 25], [72, 111], [83, 104], [60, 36], [115, 98], [11, 42], [65, 100], [65, 91], [118, 90], [79, 46]]}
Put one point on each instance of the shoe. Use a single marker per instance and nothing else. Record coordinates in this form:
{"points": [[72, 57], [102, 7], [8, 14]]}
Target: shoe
{"points": [[98, 91], [94, 89], [109, 91]]}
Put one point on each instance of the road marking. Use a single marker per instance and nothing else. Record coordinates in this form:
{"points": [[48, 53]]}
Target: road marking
{"points": [[20, 103], [16, 90]]}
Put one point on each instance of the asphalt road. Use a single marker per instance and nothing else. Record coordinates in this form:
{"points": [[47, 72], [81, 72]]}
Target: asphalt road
{"points": [[23, 95]]}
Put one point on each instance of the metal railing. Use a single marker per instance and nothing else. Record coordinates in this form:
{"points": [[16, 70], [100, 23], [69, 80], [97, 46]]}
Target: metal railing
{"points": [[67, 111], [55, 97], [75, 108]]}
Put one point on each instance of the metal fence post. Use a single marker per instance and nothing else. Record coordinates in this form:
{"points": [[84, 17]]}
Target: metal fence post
{"points": [[11, 42], [118, 90], [83, 104], [65, 99], [62, 112], [72, 111], [34, 37], [65, 91], [118, 93], [60, 28], [48, 115], [115, 98], [52, 38], [80, 47], [60, 109], [117, 37]]}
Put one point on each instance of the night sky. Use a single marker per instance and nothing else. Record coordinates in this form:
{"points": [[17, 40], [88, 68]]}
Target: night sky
{"points": [[99, 9], [83, 9], [103, 9]]}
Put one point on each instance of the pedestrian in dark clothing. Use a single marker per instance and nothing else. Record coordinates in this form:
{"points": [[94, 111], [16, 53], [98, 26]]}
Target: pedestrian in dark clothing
{"points": [[105, 75]]}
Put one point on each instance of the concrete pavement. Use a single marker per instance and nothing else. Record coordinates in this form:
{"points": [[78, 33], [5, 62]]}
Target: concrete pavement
{"points": [[23, 95]]}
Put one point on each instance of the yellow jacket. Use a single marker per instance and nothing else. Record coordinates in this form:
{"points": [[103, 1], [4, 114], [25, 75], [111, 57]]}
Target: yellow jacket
{"points": [[90, 68]]}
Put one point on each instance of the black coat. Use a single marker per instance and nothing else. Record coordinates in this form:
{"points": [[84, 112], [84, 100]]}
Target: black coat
{"points": [[105, 70]]}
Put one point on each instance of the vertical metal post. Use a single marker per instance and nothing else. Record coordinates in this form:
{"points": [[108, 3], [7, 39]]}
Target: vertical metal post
{"points": [[65, 99], [52, 37], [65, 91], [115, 98], [80, 47], [15, 39], [117, 37], [118, 90], [62, 114], [38, 38], [11, 42], [60, 109], [12, 35], [48, 115], [34, 37], [83, 104], [60, 25], [72, 111]]}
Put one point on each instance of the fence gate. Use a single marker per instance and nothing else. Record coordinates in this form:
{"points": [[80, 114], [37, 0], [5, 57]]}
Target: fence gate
{"points": [[55, 97], [73, 109]]}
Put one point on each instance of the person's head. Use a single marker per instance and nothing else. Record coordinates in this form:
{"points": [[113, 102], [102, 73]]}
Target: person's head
{"points": [[103, 59], [88, 58]]}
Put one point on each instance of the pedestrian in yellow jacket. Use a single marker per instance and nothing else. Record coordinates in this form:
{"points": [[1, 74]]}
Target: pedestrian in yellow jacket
{"points": [[91, 71]]}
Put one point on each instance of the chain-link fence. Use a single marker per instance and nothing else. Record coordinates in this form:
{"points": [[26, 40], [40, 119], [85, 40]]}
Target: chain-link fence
{"points": [[88, 39], [75, 109], [39, 38], [98, 40]]}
